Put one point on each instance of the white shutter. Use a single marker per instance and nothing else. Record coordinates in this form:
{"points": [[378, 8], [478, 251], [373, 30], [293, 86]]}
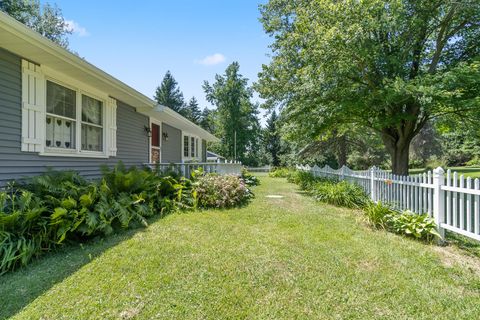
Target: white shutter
{"points": [[33, 108], [112, 127]]}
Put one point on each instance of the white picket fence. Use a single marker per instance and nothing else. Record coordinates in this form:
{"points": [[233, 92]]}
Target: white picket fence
{"points": [[451, 199]]}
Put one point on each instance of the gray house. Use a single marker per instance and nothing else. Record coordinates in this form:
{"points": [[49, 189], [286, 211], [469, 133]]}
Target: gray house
{"points": [[59, 111]]}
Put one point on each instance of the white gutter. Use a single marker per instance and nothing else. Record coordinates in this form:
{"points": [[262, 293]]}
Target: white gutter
{"points": [[179, 117]]}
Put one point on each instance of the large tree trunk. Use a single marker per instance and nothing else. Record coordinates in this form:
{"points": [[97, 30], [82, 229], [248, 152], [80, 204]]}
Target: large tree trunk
{"points": [[399, 149], [342, 151]]}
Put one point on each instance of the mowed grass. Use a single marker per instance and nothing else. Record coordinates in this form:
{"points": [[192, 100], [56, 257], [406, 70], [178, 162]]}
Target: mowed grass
{"points": [[288, 258]]}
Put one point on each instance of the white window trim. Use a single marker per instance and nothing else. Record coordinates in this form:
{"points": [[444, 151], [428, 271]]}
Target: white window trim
{"points": [[158, 123], [80, 89], [198, 141]]}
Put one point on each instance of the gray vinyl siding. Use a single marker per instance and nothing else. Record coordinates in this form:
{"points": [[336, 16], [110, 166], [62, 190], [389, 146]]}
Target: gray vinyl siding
{"points": [[132, 142], [172, 148], [204, 150]]}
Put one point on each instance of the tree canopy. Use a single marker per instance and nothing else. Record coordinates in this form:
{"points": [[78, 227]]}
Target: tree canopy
{"points": [[390, 66], [46, 20]]}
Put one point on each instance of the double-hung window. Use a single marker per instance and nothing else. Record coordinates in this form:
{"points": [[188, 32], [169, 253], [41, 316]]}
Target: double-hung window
{"points": [[65, 117], [70, 114], [92, 124], [185, 146], [190, 147], [61, 117], [192, 151]]}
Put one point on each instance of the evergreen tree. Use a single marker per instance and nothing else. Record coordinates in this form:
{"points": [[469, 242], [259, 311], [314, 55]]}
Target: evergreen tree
{"points": [[47, 20], [192, 111], [236, 116], [272, 139], [168, 94], [207, 120]]}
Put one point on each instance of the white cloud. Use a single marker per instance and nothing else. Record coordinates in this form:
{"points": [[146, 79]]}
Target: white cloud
{"points": [[212, 60], [76, 28]]}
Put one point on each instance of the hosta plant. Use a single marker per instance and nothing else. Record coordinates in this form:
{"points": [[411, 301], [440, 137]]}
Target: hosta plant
{"points": [[419, 226]]}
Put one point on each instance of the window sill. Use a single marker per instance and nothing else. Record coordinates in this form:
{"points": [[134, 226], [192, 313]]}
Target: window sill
{"points": [[73, 154]]}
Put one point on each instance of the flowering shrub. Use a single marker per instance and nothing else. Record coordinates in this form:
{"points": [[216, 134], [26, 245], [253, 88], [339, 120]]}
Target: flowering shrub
{"points": [[226, 191]]}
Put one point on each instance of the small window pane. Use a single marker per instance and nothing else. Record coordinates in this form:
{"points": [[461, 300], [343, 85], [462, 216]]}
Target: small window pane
{"points": [[91, 110], [196, 147], [61, 101], [92, 138], [185, 146], [192, 152], [60, 133]]}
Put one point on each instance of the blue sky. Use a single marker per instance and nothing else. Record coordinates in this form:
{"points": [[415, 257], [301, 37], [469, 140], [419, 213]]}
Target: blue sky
{"points": [[138, 41]]}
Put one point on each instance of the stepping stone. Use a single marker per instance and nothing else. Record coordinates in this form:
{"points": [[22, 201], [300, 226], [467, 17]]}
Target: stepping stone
{"points": [[274, 196]]}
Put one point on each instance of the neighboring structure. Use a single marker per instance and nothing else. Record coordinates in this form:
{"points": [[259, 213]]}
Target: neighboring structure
{"points": [[59, 111], [213, 157]]}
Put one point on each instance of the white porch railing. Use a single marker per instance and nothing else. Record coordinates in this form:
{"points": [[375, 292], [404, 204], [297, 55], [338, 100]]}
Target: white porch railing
{"points": [[451, 199], [186, 169]]}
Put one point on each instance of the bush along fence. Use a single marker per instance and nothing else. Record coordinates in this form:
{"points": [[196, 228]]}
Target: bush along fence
{"points": [[451, 200]]}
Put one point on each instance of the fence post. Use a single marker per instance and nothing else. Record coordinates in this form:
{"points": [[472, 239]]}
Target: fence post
{"points": [[373, 195], [438, 200]]}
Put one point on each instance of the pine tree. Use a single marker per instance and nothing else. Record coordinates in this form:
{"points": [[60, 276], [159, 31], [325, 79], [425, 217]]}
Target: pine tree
{"points": [[207, 120], [272, 139], [168, 94], [192, 111]]}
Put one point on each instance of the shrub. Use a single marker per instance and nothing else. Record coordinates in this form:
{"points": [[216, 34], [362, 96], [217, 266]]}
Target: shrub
{"points": [[378, 215], [305, 180], [281, 173], [24, 228], [341, 194], [419, 226], [216, 191], [249, 179]]}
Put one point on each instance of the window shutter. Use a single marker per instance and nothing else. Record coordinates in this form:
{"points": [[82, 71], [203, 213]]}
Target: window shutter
{"points": [[112, 127], [33, 107]]}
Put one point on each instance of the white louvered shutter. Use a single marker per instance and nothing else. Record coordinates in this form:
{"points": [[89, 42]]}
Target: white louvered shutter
{"points": [[33, 107], [112, 127]]}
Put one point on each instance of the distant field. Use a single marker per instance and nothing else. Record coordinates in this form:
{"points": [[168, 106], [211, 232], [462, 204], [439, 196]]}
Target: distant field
{"points": [[466, 171]]}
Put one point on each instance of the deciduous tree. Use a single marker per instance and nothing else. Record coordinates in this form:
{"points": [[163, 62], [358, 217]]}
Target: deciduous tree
{"points": [[46, 20], [387, 65], [236, 116]]}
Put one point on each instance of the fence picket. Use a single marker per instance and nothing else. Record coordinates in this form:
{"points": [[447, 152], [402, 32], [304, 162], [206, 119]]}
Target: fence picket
{"points": [[461, 204], [454, 200], [448, 196], [476, 221], [469, 206]]}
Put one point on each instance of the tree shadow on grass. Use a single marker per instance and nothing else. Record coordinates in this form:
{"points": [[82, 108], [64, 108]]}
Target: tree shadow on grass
{"points": [[19, 288]]}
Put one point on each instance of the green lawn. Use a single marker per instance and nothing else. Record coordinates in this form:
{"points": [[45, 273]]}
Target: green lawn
{"points": [[466, 171], [288, 258]]}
